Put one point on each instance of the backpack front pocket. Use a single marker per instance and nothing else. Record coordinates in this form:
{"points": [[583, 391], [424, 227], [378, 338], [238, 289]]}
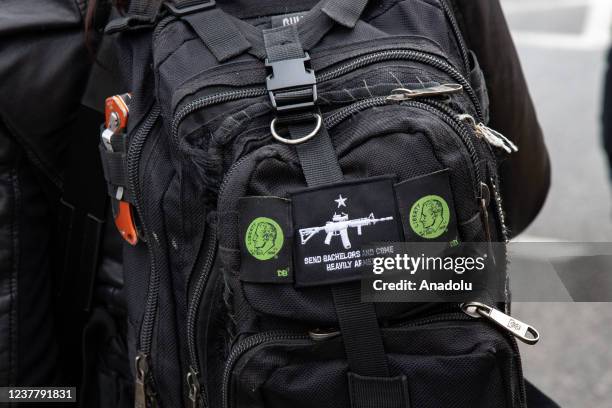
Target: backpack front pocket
{"points": [[292, 244], [470, 365]]}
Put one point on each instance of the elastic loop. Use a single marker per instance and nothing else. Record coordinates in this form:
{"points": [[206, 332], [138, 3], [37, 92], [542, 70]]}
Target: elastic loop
{"points": [[301, 139]]}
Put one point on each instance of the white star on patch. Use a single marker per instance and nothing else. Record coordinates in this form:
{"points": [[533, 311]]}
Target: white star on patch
{"points": [[341, 201]]}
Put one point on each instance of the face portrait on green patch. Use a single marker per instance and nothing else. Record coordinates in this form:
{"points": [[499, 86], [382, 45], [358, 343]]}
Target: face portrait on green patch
{"points": [[429, 216], [264, 238]]}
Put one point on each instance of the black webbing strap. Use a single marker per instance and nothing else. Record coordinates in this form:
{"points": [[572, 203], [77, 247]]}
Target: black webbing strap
{"points": [[114, 167], [358, 322], [218, 32], [361, 334], [227, 36], [370, 392], [322, 17], [141, 13], [282, 43], [317, 156], [312, 28], [188, 4], [115, 172], [345, 12], [148, 8]]}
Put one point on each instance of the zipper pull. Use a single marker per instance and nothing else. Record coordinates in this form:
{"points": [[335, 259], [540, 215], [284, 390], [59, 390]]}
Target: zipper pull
{"points": [[140, 388], [194, 388], [404, 94], [323, 334], [491, 136], [524, 332]]}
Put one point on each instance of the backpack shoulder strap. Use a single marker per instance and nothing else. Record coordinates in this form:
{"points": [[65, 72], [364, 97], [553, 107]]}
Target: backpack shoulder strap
{"points": [[227, 36], [214, 27], [141, 14], [344, 12]]}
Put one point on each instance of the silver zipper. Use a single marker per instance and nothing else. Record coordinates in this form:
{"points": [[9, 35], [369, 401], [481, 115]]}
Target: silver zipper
{"points": [[194, 388], [522, 331], [404, 94], [140, 387], [376, 57], [491, 136], [323, 334]]}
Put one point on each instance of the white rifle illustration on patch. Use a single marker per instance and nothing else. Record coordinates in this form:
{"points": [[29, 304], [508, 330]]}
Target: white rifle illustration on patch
{"points": [[339, 226]]}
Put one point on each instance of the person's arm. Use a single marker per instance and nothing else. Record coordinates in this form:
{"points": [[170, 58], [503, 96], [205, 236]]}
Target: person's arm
{"points": [[44, 66], [526, 174]]}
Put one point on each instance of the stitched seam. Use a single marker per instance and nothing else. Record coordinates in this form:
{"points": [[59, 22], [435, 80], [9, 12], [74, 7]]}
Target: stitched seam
{"points": [[13, 321]]}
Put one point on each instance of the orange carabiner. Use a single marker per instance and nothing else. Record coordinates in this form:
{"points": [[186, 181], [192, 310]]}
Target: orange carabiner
{"points": [[124, 221], [116, 114], [117, 111]]}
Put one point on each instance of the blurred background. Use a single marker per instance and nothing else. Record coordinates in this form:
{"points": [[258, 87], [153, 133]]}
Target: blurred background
{"points": [[563, 45]]}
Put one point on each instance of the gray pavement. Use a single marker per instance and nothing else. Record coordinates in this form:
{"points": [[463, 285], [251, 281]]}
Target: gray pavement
{"points": [[562, 44]]}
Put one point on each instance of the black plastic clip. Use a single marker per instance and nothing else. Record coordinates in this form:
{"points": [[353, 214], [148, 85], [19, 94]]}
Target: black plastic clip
{"points": [[291, 84], [180, 11]]}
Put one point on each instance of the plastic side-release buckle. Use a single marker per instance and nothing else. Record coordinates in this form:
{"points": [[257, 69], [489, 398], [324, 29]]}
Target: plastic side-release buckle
{"points": [[116, 115], [291, 84]]}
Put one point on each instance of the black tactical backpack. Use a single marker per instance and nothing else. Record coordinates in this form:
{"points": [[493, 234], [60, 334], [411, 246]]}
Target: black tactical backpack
{"points": [[267, 146]]}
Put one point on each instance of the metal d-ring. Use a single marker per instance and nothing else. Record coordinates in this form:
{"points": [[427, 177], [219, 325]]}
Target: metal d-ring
{"points": [[309, 136]]}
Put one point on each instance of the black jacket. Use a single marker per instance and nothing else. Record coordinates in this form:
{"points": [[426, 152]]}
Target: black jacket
{"points": [[44, 67]]}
